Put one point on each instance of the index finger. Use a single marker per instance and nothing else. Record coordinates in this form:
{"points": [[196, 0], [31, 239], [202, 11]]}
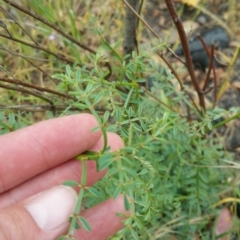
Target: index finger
{"points": [[42, 146]]}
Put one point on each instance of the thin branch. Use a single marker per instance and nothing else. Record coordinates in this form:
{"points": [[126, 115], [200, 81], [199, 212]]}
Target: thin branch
{"points": [[139, 11], [5, 70], [39, 69], [43, 108], [27, 59], [57, 29], [142, 20], [59, 57], [178, 79], [151, 30], [18, 25], [33, 93], [4, 26], [157, 99], [210, 67], [172, 69], [41, 89], [37, 108], [131, 21], [178, 23]]}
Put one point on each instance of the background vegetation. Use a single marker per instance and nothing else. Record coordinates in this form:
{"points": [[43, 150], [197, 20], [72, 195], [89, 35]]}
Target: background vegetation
{"points": [[69, 59]]}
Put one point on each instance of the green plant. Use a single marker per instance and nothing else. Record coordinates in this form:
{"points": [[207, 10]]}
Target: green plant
{"points": [[169, 170], [167, 166]]}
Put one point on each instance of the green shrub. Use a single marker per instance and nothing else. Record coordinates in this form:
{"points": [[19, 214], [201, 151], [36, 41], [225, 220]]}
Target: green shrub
{"points": [[173, 168], [168, 166]]}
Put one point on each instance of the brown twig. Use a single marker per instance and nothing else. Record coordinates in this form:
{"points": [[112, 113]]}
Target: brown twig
{"points": [[214, 78], [178, 79], [41, 89], [39, 69], [151, 30], [4, 26], [172, 69], [31, 63], [130, 39], [18, 25], [157, 99], [139, 10], [42, 108], [178, 23], [5, 70], [24, 90], [57, 29], [59, 57], [37, 108], [210, 67]]}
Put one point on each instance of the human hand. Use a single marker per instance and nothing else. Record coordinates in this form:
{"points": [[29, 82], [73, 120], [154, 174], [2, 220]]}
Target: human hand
{"points": [[36, 160]]}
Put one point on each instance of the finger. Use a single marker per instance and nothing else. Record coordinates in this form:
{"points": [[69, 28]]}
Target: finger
{"points": [[44, 216], [35, 149], [103, 220], [224, 224], [70, 170]]}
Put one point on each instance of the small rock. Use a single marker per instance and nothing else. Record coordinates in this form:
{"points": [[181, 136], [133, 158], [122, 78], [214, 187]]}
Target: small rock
{"points": [[216, 35]]}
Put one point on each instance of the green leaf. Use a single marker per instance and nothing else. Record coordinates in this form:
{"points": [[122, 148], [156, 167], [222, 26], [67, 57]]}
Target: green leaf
{"points": [[108, 47], [77, 225], [97, 98], [141, 80], [63, 238], [124, 132], [118, 112], [116, 192], [202, 128], [43, 10], [137, 127], [203, 177], [4, 125], [122, 215], [78, 75], [209, 124], [143, 125], [71, 183], [106, 116], [11, 117], [68, 70], [130, 171], [94, 191], [89, 87], [134, 234], [80, 105], [143, 172], [126, 203], [129, 74], [97, 128], [104, 161], [85, 223], [50, 114], [141, 203]]}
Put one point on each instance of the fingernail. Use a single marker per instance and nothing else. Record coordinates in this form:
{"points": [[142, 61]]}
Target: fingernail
{"points": [[53, 207]]}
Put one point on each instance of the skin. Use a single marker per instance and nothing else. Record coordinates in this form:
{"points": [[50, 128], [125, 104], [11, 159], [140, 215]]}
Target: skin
{"points": [[41, 156]]}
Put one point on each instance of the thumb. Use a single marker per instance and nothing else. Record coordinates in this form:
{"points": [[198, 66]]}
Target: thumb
{"points": [[43, 216]]}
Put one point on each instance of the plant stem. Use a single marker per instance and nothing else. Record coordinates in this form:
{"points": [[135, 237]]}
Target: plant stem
{"points": [[79, 200], [178, 23]]}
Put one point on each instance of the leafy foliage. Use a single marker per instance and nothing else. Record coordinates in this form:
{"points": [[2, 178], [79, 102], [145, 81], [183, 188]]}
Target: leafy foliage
{"points": [[169, 170], [167, 166]]}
